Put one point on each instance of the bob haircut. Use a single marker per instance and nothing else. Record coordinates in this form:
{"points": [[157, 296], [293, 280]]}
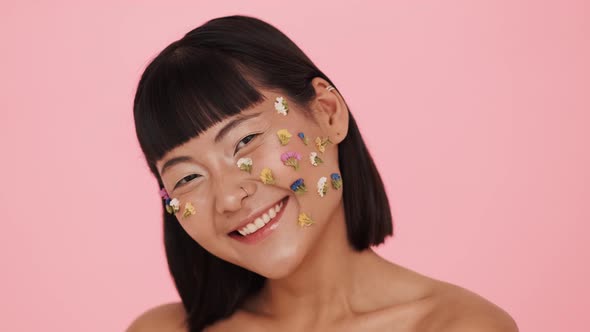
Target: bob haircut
{"points": [[214, 72]]}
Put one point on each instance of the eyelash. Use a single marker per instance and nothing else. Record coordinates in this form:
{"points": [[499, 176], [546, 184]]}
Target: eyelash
{"points": [[192, 176]]}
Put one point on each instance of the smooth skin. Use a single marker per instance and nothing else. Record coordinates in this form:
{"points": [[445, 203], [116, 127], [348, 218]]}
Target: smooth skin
{"points": [[316, 281]]}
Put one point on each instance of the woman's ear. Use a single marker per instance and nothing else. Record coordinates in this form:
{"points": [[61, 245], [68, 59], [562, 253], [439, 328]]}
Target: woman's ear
{"points": [[330, 110]]}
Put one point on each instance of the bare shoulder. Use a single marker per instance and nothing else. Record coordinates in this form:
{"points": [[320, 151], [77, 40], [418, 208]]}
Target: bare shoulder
{"points": [[460, 309], [165, 317]]}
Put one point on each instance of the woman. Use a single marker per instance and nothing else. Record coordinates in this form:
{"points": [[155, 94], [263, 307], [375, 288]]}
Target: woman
{"points": [[271, 200]]}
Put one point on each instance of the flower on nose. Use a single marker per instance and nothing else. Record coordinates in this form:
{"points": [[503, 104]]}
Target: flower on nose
{"points": [[284, 136], [298, 186], [290, 158]]}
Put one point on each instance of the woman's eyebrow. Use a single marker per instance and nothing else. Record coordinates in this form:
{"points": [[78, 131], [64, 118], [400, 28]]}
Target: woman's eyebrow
{"points": [[232, 124], [220, 134]]}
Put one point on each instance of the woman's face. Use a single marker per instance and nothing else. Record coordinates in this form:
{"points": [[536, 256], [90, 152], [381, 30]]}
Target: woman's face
{"points": [[207, 176]]}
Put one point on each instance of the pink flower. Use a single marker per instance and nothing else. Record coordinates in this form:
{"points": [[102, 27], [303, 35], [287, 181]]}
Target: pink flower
{"points": [[291, 158]]}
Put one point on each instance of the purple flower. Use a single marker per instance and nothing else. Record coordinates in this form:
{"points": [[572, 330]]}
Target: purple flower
{"points": [[291, 158]]}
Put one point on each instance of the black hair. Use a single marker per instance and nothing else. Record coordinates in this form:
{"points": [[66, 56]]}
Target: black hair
{"points": [[213, 72]]}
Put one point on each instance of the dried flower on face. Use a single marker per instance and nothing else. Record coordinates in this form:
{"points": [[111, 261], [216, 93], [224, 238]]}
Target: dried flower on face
{"points": [[304, 220], [189, 210], [298, 186], [322, 186], [290, 158], [266, 176], [314, 159], [245, 164], [303, 138], [321, 142], [284, 136], [172, 205], [281, 106], [336, 180]]}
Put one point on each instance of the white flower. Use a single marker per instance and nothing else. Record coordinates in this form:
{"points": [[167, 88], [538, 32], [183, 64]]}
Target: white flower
{"points": [[175, 204], [281, 106], [245, 164], [312, 159], [322, 186]]}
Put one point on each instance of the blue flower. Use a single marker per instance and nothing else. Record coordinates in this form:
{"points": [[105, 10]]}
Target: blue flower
{"points": [[298, 186], [301, 135]]}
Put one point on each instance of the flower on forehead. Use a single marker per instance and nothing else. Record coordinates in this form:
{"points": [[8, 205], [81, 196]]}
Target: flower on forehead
{"points": [[291, 158], [336, 180], [245, 164], [284, 136], [321, 142], [164, 193], [303, 138], [298, 186], [314, 159], [322, 186], [172, 205], [266, 176], [281, 106], [189, 210], [304, 220]]}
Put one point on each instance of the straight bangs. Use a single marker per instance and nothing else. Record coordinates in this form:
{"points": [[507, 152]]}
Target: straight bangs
{"points": [[185, 91]]}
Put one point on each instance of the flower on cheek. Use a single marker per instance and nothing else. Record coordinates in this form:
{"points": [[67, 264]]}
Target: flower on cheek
{"points": [[298, 186], [172, 205], [245, 164], [336, 180], [266, 176], [322, 186], [314, 159], [189, 210], [284, 136], [303, 138], [281, 106], [321, 142], [304, 220], [290, 158]]}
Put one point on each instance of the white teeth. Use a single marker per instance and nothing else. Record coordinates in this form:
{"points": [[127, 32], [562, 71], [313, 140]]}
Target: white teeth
{"points": [[261, 221]]}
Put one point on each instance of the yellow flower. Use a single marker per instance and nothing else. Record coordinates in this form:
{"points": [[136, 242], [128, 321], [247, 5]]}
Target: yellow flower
{"points": [[304, 220], [189, 210], [321, 143], [284, 136], [266, 176]]}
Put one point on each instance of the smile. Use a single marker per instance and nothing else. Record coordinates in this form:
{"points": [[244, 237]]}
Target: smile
{"points": [[262, 226]]}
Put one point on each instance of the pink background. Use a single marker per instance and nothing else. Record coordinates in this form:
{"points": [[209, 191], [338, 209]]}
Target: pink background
{"points": [[477, 113]]}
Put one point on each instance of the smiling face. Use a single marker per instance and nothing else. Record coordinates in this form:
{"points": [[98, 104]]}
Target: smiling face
{"points": [[255, 187]]}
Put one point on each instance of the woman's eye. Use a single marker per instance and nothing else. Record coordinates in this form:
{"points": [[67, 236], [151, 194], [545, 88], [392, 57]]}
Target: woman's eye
{"points": [[245, 140], [186, 179]]}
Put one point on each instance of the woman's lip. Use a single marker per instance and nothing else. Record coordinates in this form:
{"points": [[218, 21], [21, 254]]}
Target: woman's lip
{"points": [[265, 230], [251, 220]]}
